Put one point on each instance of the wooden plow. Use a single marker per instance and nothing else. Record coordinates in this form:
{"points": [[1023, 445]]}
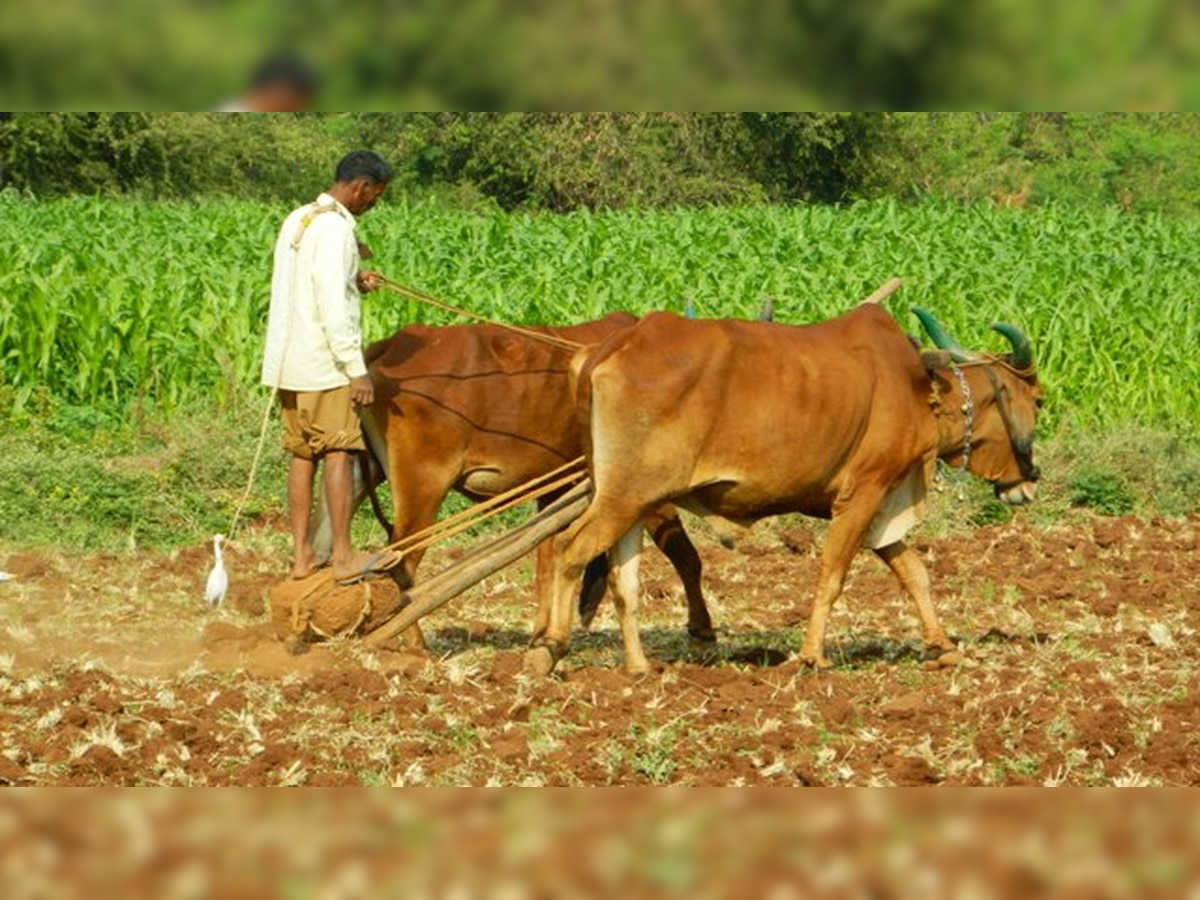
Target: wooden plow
{"points": [[491, 557], [318, 607]]}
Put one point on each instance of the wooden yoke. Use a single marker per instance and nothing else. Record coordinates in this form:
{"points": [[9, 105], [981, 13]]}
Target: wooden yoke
{"points": [[884, 291]]}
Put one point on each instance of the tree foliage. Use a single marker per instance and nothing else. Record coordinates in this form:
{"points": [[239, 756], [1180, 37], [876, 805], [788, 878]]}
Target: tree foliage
{"points": [[622, 54], [565, 161]]}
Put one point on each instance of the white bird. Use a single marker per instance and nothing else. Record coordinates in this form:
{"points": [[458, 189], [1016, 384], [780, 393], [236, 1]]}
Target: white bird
{"points": [[218, 581]]}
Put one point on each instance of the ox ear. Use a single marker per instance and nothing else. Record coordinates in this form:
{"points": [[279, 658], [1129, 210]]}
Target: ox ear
{"points": [[941, 338], [933, 360]]}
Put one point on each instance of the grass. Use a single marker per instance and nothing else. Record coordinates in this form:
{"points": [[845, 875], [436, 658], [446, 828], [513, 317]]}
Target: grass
{"points": [[87, 483], [84, 483]]}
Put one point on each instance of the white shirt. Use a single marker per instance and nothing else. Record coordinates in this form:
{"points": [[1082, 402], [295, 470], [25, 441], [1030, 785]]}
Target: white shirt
{"points": [[314, 331]]}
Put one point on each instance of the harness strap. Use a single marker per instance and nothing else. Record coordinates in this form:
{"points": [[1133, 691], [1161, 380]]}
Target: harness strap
{"points": [[307, 219], [364, 459]]}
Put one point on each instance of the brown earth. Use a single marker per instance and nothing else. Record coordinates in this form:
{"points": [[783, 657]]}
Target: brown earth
{"points": [[1082, 641]]}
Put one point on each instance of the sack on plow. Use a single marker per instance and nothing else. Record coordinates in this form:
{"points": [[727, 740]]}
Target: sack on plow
{"points": [[306, 610]]}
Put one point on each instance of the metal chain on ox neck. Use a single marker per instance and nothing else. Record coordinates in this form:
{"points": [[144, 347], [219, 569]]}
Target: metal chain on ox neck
{"points": [[968, 411]]}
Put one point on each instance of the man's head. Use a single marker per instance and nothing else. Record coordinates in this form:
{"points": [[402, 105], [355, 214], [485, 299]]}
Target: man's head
{"points": [[360, 179], [282, 83]]}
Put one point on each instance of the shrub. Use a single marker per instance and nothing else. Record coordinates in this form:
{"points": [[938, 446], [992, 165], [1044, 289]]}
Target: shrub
{"points": [[1103, 491]]}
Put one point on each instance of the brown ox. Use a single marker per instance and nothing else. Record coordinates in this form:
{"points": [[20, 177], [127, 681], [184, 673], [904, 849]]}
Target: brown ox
{"points": [[842, 420], [482, 409]]}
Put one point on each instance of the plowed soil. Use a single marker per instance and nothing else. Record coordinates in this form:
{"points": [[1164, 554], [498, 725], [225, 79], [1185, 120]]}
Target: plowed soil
{"points": [[1081, 642]]}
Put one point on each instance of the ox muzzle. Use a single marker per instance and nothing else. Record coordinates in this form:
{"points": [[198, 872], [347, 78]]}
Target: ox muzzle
{"points": [[1017, 494], [1024, 489]]}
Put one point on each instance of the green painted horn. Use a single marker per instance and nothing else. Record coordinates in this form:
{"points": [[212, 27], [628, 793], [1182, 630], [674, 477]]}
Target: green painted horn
{"points": [[1022, 355], [941, 337]]}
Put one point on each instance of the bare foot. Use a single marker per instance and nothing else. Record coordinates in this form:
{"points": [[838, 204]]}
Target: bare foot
{"points": [[949, 659], [362, 564]]}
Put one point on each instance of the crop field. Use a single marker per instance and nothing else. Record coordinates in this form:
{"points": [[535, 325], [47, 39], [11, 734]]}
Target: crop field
{"points": [[108, 302], [1077, 615]]}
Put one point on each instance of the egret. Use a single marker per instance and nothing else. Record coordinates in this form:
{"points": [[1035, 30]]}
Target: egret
{"points": [[218, 581]]}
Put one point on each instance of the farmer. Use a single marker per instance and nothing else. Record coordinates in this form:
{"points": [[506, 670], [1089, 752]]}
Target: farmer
{"points": [[280, 83], [314, 355]]}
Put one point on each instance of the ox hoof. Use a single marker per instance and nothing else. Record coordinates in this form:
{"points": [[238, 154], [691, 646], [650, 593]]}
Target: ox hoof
{"points": [[946, 659], [413, 641], [702, 639], [637, 669], [818, 662], [539, 661]]}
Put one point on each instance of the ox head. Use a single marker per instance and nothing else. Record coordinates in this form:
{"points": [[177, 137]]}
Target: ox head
{"points": [[1000, 400]]}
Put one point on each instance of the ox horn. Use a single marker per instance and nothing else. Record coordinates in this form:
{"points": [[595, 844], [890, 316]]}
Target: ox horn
{"points": [[1022, 355], [941, 338]]}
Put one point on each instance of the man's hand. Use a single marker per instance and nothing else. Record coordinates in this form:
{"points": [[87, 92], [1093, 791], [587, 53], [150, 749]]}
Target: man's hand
{"points": [[362, 391], [369, 281]]}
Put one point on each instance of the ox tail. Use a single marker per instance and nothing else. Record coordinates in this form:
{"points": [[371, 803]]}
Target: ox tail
{"points": [[595, 576], [581, 390], [595, 579], [376, 453], [583, 363]]}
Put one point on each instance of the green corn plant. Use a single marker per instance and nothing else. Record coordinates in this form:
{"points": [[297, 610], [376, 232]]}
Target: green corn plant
{"points": [[114, 303]]}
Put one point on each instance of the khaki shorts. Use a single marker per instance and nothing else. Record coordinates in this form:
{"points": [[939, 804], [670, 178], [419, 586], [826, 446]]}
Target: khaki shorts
{"points": [[315, 422]]}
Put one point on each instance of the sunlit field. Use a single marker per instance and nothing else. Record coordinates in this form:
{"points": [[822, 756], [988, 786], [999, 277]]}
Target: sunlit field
{"points": [[113, 303]]}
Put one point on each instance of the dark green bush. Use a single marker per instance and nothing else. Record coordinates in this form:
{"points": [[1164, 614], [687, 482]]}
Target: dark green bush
{"points": [[1101, 490], [991, 512]]}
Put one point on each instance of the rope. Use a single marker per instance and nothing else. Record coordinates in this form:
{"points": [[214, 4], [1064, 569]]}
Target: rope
{"points": [[990, 359], [564, 475], [262, 437], [413, 294]]}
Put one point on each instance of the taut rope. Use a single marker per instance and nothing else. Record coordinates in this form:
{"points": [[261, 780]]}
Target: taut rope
{"points": [[565, 475], [413, 294]]}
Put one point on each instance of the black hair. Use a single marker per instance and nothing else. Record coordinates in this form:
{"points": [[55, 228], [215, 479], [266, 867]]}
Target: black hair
{"points": [[363, 164], [287, 71]]}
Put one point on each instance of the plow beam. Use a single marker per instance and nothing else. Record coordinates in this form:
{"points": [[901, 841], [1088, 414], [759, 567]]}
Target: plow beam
{"points": [[429, 595]]}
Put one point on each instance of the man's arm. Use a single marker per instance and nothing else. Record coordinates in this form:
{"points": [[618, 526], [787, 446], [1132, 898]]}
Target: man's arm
{"points": [[362, 391]]}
